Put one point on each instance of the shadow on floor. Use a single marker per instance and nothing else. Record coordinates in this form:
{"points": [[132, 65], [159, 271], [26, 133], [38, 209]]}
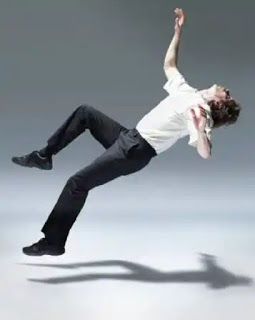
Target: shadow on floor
{"points": [[213, 275]]}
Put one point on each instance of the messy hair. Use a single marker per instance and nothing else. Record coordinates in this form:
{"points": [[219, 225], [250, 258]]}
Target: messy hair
{"points": [[224, 112]]}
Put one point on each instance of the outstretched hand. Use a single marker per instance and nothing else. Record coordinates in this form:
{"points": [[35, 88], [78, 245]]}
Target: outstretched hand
{"points": [[200, 120], [180, 18]]}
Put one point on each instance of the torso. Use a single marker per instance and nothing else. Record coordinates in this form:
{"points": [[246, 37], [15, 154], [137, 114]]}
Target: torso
{"points": [[167, 122]]}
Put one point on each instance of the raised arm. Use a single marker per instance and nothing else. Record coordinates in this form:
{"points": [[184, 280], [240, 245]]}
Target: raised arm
{"points": [[171, 58]]}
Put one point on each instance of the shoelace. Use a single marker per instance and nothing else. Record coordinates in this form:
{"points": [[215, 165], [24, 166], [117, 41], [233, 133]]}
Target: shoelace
{"points": [[41, 241]]}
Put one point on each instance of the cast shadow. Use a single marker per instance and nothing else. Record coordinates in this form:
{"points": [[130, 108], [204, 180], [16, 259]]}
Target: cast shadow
{"points": [[212, 274]]}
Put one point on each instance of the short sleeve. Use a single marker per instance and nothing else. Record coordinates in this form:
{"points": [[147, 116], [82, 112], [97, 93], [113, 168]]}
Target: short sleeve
{"points": [[176, 83], [193, 134]]}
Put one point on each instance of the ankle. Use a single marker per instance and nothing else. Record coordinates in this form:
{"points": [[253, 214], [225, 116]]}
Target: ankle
{"points": [[53, 242], [45, 153]]}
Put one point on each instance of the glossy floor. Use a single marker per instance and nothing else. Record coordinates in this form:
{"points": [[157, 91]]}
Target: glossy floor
{"points": [[132, 267]]}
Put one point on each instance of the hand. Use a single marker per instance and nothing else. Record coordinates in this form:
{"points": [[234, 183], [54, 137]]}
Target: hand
{"points": [[199, 121], [179, 19]]}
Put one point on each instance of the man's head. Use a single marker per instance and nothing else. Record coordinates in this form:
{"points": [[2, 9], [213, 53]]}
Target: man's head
{"points": [[224, 109], [219, 93]]}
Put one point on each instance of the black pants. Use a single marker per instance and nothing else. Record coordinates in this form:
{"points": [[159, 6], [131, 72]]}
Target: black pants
{"points": [[126, 152]]}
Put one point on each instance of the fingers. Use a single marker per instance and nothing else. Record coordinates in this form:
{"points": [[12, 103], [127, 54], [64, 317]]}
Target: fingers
{"points": [[193, 114], [202, 112], [180, 17], [178, 11]]}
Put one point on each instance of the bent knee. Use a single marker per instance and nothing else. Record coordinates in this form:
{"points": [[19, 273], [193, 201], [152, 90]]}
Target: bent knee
{"points": [[75, 186], [84, 108]]}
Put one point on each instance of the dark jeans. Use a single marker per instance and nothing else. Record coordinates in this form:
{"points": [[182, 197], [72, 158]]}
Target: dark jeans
{"points": [[126, 152]]}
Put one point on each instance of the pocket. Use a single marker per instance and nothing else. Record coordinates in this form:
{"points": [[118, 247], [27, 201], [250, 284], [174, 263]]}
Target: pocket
{"points": [[131, 151]]}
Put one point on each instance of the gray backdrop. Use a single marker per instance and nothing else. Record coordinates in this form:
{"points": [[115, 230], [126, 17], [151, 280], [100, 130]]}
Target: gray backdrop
{"points": [[56, 55]]}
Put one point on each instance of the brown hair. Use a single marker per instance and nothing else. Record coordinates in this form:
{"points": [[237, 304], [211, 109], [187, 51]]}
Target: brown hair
{"points": [[224, 112]]}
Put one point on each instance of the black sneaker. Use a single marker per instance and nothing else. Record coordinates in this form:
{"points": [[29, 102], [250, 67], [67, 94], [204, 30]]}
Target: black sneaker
{"points": [[43, 247], [34, 159]]}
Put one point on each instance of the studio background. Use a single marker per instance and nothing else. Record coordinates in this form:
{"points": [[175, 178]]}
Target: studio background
{"points": [[57, 55]]}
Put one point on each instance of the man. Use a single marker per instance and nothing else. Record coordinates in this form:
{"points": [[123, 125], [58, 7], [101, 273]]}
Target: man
{"points": [[185, 111]]}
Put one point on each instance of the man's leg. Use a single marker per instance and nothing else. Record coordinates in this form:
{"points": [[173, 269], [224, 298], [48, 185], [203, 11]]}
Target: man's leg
{"points": [[111, 164], [103, 128]]}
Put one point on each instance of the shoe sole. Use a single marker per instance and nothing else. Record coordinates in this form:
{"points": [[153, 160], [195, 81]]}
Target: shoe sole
{"points": [[44, 253], [24, 165], [16, 161]]}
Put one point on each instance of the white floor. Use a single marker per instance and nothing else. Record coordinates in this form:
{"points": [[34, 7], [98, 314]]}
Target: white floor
{"points": [[183, 286]]}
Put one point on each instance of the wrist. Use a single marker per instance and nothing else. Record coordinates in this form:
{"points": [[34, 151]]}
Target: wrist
{"points": [[178, 32]]}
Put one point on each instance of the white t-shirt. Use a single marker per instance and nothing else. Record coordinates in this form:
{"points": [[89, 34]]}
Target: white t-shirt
{"points": [[171, 119]]}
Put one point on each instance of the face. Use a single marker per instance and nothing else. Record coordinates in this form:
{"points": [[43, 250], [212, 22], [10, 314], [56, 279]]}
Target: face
{"points": [[221, 93]]}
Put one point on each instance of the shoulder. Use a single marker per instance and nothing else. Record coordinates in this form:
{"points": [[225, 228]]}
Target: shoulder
{"points": [[177, 83], [172, 72]]}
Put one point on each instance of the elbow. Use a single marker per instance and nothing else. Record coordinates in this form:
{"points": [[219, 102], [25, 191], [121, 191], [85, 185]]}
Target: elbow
{"points": [[206, 152], [169, 64], [206, 156]]}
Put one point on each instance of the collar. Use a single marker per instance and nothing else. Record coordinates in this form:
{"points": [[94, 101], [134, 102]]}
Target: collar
{"points": [[208, 94], [210, 121]]}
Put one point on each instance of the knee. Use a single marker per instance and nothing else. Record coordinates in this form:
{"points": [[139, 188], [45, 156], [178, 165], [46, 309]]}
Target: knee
{"points": [[84, 109], [85, 113], [75, 186]]}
